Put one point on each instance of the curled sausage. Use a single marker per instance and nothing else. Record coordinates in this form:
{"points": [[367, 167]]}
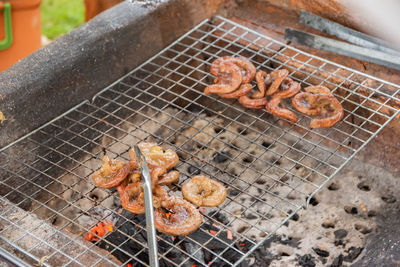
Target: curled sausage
{"points": [[277, 77], [262, 79], [132, 197], [156, 156], [155, 175], [331, 111], [244, 89], [318, 89], [203, 191], [252, 103], [248, 69], [111, 173], [169, 178], [229, 79], [288, 88], [273, 107], [303, 101], [184, 218]]}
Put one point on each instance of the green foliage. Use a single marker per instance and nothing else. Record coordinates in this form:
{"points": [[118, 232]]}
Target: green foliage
{"points": [[61, 16]]}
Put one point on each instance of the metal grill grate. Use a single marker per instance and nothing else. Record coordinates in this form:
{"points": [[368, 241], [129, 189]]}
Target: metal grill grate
{"points": [[272, 168]]}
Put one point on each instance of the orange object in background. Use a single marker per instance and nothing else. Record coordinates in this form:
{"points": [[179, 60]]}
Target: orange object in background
{"points": [[25, 30], [94, 7]]}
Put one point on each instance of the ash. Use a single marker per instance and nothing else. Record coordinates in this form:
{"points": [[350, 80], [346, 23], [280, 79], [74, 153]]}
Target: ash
{"points": [[265, 188]]}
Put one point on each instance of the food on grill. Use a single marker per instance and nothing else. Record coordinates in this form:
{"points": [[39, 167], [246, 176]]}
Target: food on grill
{"points": [[287, 88], [273, 107], [248, 70], [252, 103], [177, 217], [203, 191], [228, 80], [156, 156], [173, 215], [244, 89], [132, 197], [111, 174], [318, 101], [155, 174], [331, 111], [230, 84], [277, 77], [303, 101], [262, 79], [169, 178]]}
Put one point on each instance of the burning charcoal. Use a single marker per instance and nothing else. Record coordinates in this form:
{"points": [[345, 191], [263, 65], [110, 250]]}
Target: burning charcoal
{"points": [[220, 157], [340, 234], [195, 251], [129, 237], [353, 253], [321, 252], [217, 246], [306, 260], [193, 170]]}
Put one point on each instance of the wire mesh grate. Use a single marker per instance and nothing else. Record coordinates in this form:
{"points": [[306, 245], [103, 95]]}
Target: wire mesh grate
{"points": [[271, 167]]}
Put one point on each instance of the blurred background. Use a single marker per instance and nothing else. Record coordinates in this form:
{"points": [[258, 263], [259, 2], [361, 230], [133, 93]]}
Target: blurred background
{"points": [[60, 17]]}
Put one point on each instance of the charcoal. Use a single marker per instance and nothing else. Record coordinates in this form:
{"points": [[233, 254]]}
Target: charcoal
{"points": [[340, 234], [389, 199], [219, 217], [233, 192], [295, 217], [251, 216], [266, 144], [133, 245], [193, 170], [321, 252], [195, 251], [306, 260], [353, 253], [220, 157], [337, 262]]}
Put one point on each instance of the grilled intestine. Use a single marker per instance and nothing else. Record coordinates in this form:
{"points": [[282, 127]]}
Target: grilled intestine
{"points": [[173, 215], [272, 88]]}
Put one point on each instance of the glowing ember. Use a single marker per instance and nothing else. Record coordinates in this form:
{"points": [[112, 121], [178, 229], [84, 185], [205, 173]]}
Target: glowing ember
{"points": [[99, 231], [229, 234], [213, 232]]}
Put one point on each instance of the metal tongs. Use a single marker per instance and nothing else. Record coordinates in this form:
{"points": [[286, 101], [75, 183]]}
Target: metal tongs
{"points": [[148, 204], [363, 47]]}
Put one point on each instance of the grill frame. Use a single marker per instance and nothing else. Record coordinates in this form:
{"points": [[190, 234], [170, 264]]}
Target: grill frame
{"points": [[198, 28]]}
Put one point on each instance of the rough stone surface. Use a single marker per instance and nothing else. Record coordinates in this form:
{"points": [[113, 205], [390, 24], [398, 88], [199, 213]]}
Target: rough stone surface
{"points": [[46, 240]]}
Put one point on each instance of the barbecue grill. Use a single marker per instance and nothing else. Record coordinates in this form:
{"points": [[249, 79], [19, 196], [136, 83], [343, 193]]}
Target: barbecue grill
{"points": [[271, 167]]}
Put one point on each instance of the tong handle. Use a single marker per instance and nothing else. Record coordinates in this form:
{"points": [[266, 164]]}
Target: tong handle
{"points": [[148, 204]]}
